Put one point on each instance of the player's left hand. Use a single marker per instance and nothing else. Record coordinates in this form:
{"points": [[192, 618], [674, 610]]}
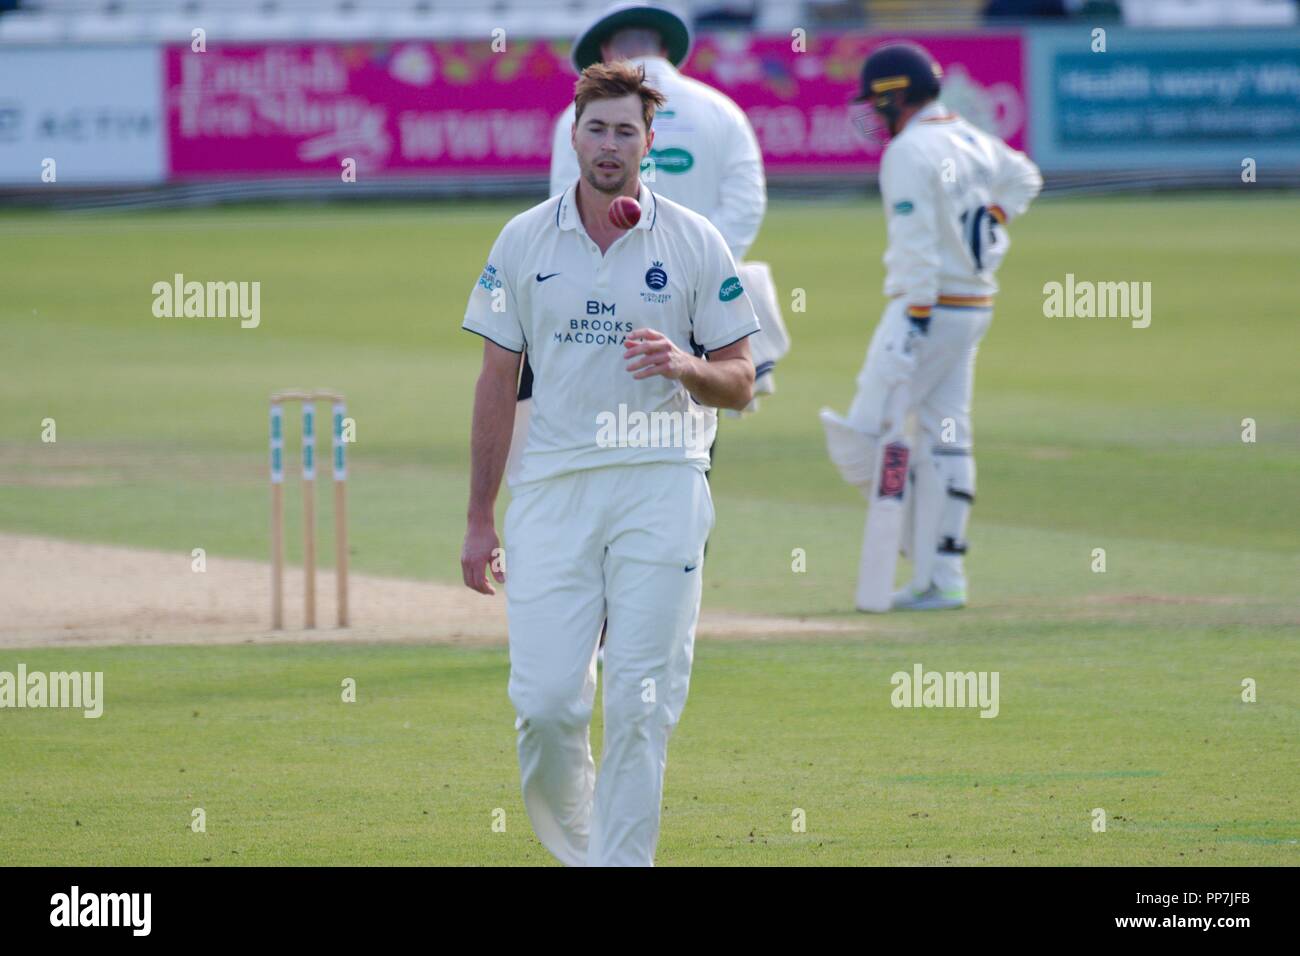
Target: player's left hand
{"points": [[653, 353]]}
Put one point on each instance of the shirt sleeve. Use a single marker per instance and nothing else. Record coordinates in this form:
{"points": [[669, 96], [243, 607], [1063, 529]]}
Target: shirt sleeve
{"points": [[909, 190], [1017, 182], [492, 311], [742, 197], [721, 312], [564, 161]]}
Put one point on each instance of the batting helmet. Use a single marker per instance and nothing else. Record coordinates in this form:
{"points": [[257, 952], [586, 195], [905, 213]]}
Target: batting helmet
{"points": [[896, 74]]}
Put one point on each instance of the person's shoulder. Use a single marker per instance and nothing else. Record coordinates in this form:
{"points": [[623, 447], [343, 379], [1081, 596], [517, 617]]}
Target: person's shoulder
{"points": [[963, 127], [710, 95], [700, 88], [521, 230], [909, 146], [695, 232], [536, 217], [679, 218]]}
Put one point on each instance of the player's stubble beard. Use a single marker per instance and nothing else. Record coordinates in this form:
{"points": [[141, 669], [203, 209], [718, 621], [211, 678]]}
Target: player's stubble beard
{"points": [[617, 188], [594, 207]]}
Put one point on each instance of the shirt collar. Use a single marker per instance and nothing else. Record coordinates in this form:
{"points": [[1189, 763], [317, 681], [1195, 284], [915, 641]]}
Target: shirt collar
{"points": [[932, 111], [566, 214]]}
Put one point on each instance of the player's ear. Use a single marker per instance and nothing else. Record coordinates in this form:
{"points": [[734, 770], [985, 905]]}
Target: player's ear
{"points": [[573, 135], [649, 141]]}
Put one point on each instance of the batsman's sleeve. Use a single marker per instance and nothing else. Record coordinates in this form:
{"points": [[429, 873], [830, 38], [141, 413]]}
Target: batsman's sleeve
{"points": [[721, 312], [909, 188], [1017, 181], [492, 311], [564, 161], [742, 197]]}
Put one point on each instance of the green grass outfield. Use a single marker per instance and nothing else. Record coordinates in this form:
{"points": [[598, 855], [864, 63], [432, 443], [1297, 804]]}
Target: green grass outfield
{"points": [[1118, 690]]}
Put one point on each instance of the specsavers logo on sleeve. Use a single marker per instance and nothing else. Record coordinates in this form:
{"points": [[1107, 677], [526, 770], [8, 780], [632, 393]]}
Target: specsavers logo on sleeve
{"points": [[730, 289]]}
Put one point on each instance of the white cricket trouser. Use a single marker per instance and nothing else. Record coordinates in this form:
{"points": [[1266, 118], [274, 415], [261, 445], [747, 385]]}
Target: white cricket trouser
{"points": [[937, 367], [625, 542]]}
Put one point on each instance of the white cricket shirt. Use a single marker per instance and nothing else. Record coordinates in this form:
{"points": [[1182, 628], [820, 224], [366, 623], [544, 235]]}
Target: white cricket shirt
{"points": [[705, 154], [547, 290], [933, 176]]}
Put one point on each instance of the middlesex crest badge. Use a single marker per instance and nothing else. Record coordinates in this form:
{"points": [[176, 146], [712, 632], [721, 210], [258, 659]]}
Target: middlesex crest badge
{"points": [[655, 277]]}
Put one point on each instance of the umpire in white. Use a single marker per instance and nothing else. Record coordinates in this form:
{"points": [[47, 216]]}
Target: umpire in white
{"points": [[608, 518]]}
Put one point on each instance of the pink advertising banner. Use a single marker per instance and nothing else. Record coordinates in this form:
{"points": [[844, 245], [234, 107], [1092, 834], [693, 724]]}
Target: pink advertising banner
{"points": [[456, 108], [798, 101]]}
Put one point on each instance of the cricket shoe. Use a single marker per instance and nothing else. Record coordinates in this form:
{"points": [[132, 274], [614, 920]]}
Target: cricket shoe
{"points": [[931, 599]]}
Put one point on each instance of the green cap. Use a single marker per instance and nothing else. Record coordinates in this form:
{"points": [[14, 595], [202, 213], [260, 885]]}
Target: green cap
{"points": [[669, 25]]}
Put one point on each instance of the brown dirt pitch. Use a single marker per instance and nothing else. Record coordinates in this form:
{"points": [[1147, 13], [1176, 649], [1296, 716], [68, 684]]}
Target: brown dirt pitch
{"points": [[67, 594]]}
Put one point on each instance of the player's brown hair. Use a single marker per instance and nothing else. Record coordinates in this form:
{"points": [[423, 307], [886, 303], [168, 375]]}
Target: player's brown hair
{"points": [[611, 81]]}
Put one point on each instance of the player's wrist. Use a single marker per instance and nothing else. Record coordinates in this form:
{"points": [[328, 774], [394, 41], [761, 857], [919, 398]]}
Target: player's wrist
{"points": [[693, 370], [481, 517]]}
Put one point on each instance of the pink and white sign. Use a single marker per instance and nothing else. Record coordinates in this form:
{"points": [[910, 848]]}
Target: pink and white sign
{"points": [[395, 108], [457, 108], [798, 102]]}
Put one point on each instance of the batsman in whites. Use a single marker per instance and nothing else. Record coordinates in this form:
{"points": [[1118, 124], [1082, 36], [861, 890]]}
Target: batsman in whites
{"points": [[948, 191]]}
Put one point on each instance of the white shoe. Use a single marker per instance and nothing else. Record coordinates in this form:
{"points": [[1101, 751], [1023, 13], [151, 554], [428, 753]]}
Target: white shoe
{"points": [[931, 599]]}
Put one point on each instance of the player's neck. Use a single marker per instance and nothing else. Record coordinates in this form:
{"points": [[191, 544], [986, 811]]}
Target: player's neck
{"points": [[908, 114], [593, 210], [912, 112]]}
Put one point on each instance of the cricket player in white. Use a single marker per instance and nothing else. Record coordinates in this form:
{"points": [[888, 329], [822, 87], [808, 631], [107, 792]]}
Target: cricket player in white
{"points": [[948, 190], [621, 325], [705, 157]]}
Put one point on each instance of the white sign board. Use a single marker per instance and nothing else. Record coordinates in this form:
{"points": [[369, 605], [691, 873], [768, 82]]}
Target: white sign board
{"points": [[96, 112]]}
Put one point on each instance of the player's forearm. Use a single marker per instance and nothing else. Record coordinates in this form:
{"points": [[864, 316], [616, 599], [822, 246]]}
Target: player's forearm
{"points": [[1018, 187], [494, 417], [727, 383], [913, 261]]}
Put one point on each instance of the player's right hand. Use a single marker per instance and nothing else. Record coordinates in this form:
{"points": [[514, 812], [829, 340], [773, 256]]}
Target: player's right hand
{"points": [[482, 552]]}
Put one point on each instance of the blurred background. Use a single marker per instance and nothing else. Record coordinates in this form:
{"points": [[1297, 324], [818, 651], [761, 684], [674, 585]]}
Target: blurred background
{"points": [[200, 101]]}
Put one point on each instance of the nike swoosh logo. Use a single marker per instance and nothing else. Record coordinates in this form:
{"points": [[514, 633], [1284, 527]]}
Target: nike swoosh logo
{"points": [[542, 278], [690, 567]]}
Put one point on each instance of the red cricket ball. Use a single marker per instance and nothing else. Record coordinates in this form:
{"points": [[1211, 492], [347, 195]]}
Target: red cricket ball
{"points": [[624, 212]]}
